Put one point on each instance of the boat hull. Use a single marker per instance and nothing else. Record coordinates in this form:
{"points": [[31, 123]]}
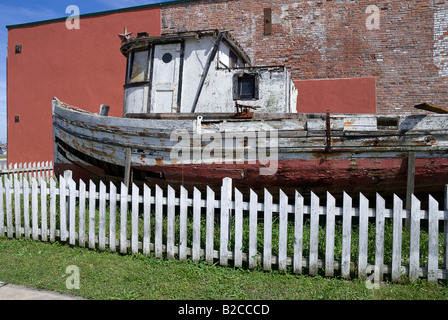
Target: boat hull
{"points": [[352, 158]]}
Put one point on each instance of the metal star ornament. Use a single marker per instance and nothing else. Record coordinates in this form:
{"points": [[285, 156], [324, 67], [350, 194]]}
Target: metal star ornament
{"points": [[125, 35]]}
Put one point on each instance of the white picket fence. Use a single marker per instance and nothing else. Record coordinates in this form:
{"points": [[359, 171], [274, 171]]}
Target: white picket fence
{"points": [[28, 170], [180, 225]]}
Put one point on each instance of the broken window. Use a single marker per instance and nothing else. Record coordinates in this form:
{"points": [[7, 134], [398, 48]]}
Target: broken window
{"points": [[138, 66], [245, 87]]}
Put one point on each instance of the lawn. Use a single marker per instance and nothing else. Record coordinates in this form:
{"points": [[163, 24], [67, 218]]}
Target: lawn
{"points": [[109, 276]]}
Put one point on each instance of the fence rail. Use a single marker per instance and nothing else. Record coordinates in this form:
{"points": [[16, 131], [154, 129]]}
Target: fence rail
{"points": [[28, 170], [176, 224]]}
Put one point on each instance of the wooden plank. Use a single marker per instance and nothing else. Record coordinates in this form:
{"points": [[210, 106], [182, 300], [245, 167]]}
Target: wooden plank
{"points": [[363, 236], [410, 185], [9, 220], [72, 210], [397, 238], [298, 233], [283, 231], [112, 217], [34, 209], [17, 208], [431, 107], [314, 235], [92, 214], [102, 220], [267, 231], [196, 252], [238, 257], [134, 218], [226, 199], [379, 236], [43, 210], [159, 222], [210, 226], [62, 209], [82, 214], [414, 256], [127, 170], [26, 208], [433, 240], [253, 219], [330, 232], [183, 224], [146, 220], [123, 218], [170, 226]]}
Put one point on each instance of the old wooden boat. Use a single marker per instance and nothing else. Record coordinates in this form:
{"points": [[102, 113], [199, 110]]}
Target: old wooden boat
{"points": [[180, 126]]}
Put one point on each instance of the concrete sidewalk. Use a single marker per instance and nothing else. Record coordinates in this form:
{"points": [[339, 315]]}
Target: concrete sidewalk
{"points": [[12, 292]]}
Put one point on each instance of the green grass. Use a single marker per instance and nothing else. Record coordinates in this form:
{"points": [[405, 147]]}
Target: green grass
{"points": [[106, 275]]}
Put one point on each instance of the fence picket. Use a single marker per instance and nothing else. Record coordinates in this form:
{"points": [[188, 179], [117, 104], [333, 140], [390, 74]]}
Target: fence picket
{"points": [[92, 215], [283, 231], [2, 210], [52, 210], [298, 233], [314, 235], [346, 235], [9, 222], [102, 216], [238, 256], [170, 232], [226, 199], [17, 208], [363, 236], [123, 218], [62, 209], [26, 208], [379, 236], [253, 220], [82, 214], [210, 226], [34, 209], [267, 242], [159, 222], [112, 217], [397, 237], [433, 240], [183, 224], [134, 212], [329, 243], [146, 220], [414, 256], [43, 209], [196, 250]]}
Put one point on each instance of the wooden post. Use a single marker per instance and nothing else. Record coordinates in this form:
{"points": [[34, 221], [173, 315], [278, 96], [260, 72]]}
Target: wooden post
{"points": [[104, 110], [410, 186], [127, 167]]}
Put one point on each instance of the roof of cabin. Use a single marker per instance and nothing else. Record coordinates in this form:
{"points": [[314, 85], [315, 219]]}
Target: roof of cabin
{"points": [[142, 39]]}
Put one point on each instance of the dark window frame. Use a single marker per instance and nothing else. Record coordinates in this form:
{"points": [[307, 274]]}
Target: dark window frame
{"points": [[238, 82]]}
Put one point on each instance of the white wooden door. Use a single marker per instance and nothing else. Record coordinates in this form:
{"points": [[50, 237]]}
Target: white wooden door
{"points": [[165, 79]]}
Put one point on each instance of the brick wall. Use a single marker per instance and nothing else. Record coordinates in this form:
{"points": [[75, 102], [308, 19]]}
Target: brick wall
{"points": [[330, 39]]}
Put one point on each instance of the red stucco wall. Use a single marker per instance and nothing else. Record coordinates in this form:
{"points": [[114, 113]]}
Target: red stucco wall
{"points": [[82, 67], [337, 95]]}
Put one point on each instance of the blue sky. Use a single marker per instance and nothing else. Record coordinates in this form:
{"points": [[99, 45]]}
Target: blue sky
{"points": [[23, 11]]}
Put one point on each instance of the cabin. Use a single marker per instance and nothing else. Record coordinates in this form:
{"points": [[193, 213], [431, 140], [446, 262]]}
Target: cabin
{"points": [[203, 71]]}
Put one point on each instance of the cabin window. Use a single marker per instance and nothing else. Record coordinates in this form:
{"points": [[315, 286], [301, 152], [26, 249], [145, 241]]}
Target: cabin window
{"points": [[138, 67], [245, 87]]}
